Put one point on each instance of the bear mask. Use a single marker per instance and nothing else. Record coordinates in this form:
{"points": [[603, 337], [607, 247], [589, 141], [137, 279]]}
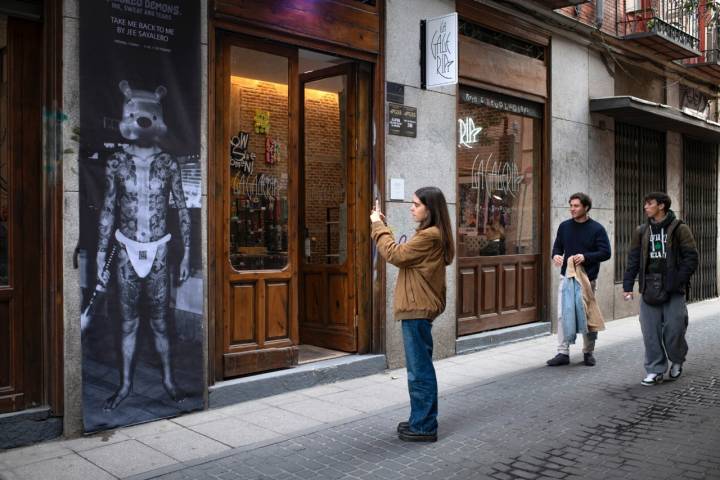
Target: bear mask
{"points": [[142, 119]]}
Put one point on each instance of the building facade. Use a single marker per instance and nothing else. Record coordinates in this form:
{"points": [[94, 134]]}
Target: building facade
{"points": [[297, 140]]}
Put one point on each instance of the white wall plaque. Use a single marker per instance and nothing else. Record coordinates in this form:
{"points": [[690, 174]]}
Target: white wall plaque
{"points": [[397, 189]]}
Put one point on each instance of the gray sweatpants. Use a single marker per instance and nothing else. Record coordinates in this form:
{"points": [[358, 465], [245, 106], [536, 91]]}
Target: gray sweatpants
{"points": [[663, 328]]}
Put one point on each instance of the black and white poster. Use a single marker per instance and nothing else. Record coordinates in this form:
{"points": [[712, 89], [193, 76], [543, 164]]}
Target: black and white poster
{"points": [[140, 191]]}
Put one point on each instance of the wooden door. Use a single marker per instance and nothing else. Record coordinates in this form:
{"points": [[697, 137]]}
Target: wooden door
{"points": [[256, 216], [21, 370], [328, 316]]}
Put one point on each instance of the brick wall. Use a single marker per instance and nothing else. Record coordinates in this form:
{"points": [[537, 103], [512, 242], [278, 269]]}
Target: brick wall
{"points": [[325, 185], [586, 14]]}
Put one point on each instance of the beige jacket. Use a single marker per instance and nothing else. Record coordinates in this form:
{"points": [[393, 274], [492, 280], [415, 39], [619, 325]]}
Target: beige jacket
{"points": [[420, 287], [594, 316]]}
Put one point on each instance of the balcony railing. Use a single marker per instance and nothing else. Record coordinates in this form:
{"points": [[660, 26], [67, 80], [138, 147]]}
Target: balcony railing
{"points": [[710, 56], [667, 19], [709, 60]]}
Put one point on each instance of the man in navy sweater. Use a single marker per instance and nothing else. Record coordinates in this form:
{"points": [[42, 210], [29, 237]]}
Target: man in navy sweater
{"points": [[583, 241]]}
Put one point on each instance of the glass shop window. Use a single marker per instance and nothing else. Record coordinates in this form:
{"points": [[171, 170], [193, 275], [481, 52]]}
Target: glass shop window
{"points": [[258, 160], [498, 159]]}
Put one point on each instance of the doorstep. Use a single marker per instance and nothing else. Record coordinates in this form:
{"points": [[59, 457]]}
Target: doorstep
{"points": [[493, 338], [28, 426], [262, 385]]}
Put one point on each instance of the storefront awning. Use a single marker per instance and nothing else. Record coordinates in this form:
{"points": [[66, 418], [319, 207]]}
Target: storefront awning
{"points": [[657, 116]]}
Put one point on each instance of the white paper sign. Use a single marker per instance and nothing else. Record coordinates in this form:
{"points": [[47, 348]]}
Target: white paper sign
{"points": [[397, 189], [441, 50]]}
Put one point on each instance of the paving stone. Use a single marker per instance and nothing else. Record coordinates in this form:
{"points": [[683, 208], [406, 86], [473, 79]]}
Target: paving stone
{"points": [[560, 424], [127, 458], [69, 467], [183, 444]]}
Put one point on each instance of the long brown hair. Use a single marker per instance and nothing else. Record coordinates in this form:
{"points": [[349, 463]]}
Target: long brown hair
{"points": [[438, 216]]}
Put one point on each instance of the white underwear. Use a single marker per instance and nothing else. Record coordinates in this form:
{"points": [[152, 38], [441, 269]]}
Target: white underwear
{"points": [[141, 254]]}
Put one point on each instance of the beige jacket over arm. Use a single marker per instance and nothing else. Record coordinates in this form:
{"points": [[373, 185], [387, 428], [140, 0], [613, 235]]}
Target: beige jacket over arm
{"points": [[593, 314]]}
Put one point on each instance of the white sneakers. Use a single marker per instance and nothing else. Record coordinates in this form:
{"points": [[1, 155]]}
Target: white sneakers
{"points": [[675, 370], [657, 378], [652, 379]]}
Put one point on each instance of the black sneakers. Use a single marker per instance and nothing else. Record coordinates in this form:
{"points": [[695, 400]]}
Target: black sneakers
{"points": [[407, 435], [559, 359], [410, 436], [589, 359]]}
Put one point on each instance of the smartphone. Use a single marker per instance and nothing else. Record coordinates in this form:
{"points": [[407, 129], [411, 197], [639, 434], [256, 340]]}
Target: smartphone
{"points": [[377, 204]]}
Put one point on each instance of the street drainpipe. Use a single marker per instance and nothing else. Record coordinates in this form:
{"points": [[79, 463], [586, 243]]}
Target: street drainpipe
{"points": [[599, 13]]}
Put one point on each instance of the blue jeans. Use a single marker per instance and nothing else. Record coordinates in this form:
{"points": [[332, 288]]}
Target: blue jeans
{"points": [[422, 384]]}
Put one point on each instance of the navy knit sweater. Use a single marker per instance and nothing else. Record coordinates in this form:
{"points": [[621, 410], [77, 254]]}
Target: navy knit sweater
{"points": [[588, 238]]}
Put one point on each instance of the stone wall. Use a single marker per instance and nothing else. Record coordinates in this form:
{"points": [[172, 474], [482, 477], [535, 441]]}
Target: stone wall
{"points": [[582, 152], [426, 160]]}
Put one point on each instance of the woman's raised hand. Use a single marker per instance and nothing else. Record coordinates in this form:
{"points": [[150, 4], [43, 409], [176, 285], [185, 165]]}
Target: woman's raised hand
{"points": [[376, 215]]}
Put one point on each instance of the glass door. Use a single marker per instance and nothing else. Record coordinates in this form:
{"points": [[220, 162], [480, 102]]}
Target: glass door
{"points": [[327, 300], [255, 160]]}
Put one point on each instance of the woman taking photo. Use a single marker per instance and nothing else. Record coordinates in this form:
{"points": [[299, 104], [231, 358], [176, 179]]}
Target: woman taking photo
{"points": [[419, 299]]}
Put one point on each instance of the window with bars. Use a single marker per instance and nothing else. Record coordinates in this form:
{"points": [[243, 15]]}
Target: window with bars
{"points": [[502, 40], [640, 168], [700, 164]]}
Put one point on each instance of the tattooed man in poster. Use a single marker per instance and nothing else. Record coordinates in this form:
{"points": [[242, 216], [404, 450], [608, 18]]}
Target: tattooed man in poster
{"points": [[139, 180]]}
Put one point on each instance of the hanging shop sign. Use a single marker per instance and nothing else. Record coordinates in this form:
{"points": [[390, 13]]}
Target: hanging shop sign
{"points": [[402, 120], [439, 55], [140, 224]]}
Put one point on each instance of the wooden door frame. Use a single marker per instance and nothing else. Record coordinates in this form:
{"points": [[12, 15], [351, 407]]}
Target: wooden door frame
{"points": [[371, 327], [52, 280]]}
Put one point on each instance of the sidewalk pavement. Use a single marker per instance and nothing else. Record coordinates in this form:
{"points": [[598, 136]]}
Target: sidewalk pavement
{"points": [[170, 445]]}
